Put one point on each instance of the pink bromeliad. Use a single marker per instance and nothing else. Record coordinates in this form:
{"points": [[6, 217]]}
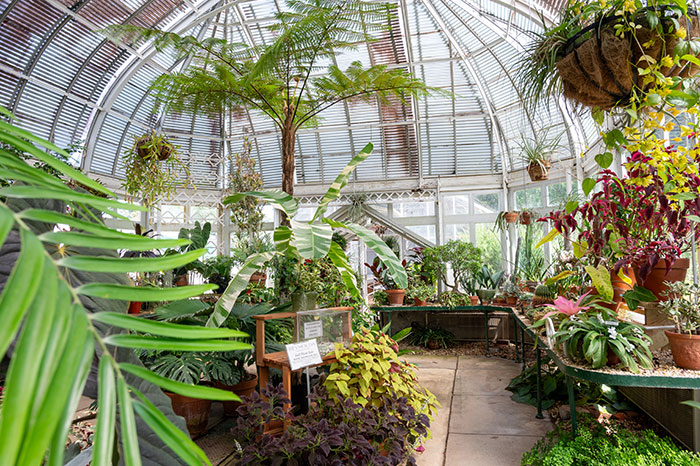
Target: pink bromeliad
{"points": [[567, 306]]}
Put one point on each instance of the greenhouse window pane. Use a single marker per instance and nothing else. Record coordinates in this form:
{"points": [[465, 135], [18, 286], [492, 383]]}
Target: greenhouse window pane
{"points": [[414, 209], [456, 204], [171, 214], [203, 214], [456, 231], [490, 244], [556, 194], [426, 231], [528, 198], [486, 203]]}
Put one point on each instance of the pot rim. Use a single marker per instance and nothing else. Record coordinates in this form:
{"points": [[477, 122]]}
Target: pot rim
{"points": [[681, 336]]}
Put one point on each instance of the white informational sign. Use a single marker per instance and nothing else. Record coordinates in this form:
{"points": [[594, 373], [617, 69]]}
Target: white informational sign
{"points": [[313, 329], [303, 354]]}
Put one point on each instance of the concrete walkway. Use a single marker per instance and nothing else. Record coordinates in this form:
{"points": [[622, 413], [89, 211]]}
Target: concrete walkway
{"points": [[478, 424]]}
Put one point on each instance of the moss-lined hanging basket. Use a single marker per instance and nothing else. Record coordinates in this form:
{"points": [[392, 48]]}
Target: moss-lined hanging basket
{"points": [[601, 69]]}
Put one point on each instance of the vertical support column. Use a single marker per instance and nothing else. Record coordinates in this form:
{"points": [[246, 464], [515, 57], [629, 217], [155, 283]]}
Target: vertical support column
{"points": [[516, 329], [539, 384], [486, 330], [572, 402], [522, 346]]}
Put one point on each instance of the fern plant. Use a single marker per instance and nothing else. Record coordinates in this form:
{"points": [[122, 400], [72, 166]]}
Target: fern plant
{"points": [[284, 79], [52, 308]]}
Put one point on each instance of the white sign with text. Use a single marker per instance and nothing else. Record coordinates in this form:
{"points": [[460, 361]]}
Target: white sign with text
{"points": [[313, 329], [303, 354]]}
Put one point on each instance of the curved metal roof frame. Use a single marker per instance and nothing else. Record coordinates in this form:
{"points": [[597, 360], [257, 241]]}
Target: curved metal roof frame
{"points": [[479, 40]]}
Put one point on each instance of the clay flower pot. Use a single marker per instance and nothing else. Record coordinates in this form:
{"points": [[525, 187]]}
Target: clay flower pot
{"points": [[182, 280], [258, 278], [511, 217], [525, 218], [433, 345], [135, 307], [685, 349], [511, 300], [194, 410], [395, 297], [244, 388], [655, 280], [474, 300], [419, 302]]}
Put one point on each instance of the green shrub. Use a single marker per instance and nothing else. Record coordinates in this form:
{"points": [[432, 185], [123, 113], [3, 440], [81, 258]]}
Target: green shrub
{"points": [[594, 446]]}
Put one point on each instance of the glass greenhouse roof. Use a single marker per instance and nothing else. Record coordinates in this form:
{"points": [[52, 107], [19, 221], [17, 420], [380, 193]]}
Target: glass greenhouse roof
{"points": [[69, 83]]}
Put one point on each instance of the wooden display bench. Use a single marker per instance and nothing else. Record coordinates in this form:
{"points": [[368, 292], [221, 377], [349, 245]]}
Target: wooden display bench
{"points": [[279, 360]]}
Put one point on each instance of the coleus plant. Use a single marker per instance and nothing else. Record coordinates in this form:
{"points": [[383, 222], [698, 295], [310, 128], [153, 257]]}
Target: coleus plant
{"points": [[311, 240], [638, 220]]}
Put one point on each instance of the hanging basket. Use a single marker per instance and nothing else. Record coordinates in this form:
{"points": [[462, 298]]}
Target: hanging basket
{"points": [[597, 69], [163, 150], [511, 217], [539, 171]]}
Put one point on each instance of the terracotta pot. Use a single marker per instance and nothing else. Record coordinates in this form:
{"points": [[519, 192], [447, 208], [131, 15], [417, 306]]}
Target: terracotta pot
{"points": [[135, 307], [685, 349], [500, 300], [538, 172], [241, 389], [511, 300], [620, 287], [258, 277], [194, 410], [474, 300], [418, 302], [657, 277], [182, 280], [432, 344], [511, 217], [525, 218], [613, 359], [395, 297]]}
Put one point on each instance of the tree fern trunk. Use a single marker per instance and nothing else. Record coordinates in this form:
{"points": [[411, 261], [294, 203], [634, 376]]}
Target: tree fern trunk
{"points": [[288, 140]]}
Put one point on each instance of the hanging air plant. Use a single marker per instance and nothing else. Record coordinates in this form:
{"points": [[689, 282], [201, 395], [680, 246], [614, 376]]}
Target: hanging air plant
{"points": [[152, 169], [537, 154]]}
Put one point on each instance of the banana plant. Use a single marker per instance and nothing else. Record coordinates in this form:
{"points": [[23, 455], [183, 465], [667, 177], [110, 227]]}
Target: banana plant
{"points": [[309, 240], [53, 330]]}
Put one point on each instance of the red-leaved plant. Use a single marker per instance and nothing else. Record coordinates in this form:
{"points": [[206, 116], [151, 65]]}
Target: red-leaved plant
{"points": [[637, 220]]}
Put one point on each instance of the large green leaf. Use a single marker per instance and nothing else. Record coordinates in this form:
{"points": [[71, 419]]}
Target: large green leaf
{"points": [[106, 414], [375, 243], [193, 391], [165, 329], [277, 198], [341, 180], [340, 260], [174, 344], [23, 373], [130, 264], [235, 287], [135, 243], [130, 439], [48, 216], [20, 288], [282, 237], [29, 192], [140, 293], [312, 240], [173, 437]]}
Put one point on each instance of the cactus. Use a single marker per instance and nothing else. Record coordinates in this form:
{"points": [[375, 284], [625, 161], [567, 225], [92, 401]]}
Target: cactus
{"points": [[543, 294]]}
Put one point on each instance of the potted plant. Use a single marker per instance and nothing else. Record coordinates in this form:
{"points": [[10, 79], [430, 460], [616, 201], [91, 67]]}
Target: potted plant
{"points": [[217, 271], [420, 292], [682, 305], [600, 339], [503, 219], [470, 285], [381, 273], [228, 372], [511, 292], [151, 169], [525, 217], [640, 221], [431, 337], [462, 256], [190, 368], [488, 282], [198, 237], [612, 54], [536, 153], [308, 283]]}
